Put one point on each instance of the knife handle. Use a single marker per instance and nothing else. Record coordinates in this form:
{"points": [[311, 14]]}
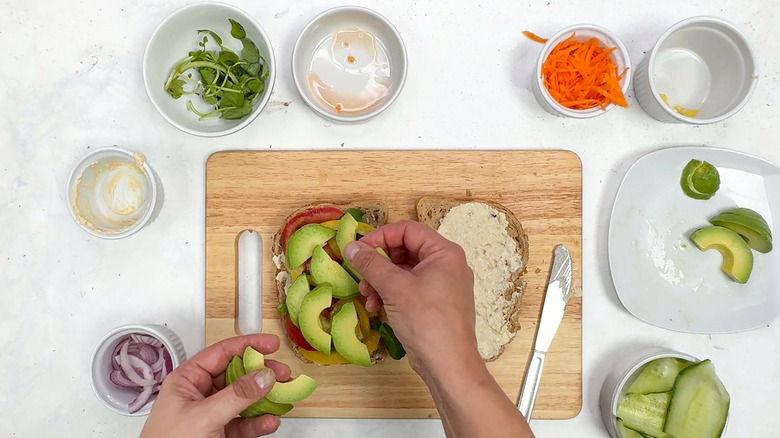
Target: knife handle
{"points": [[531, 385]]}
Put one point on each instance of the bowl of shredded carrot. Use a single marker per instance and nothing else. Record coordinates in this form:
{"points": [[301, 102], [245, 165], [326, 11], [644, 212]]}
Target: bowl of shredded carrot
{"points": [[583, 71]]}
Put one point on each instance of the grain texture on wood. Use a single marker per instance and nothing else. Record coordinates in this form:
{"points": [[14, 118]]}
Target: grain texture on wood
{"points": [[257, 190]]}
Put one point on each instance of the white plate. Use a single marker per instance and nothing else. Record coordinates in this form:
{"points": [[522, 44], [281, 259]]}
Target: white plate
{"points": [[659, 275]]}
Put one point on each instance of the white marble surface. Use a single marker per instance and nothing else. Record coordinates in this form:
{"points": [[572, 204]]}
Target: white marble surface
{"points": [[70, 81]]}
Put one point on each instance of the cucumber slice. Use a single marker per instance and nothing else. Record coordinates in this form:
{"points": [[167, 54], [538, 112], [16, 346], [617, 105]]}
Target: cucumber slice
{"points": [[700, 404], [658, 376], [625, 432], [645, 413]]}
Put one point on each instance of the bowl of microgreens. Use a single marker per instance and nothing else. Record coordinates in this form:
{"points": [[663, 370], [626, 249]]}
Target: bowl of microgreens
{"points": [[209, 69]]}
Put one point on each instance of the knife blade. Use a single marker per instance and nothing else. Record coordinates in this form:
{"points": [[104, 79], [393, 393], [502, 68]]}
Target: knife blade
{"points": [[555, 299]]}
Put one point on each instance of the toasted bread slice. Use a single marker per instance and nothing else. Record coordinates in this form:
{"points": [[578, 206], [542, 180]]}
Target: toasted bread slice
{"points": [[431, 211], [375, 214]]}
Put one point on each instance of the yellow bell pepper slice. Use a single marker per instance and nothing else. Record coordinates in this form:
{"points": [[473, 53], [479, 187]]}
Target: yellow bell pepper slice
{"points": [[338, 305], [363, 322], [372, 340], [321, 358], [333, 225], [362, 227], [295, 273], [334, 247]]}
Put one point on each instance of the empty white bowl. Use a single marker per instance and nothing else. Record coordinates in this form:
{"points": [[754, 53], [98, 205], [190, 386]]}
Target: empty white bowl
{"points": [[349, 64], [117, 398], [702, 63], [112, 192], [174, 38], [582, 32]]}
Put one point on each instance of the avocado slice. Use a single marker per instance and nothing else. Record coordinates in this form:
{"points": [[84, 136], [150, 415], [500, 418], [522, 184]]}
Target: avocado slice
{"points": [[265, 406], [347, 231], [235, 370], [352, 271], [344, 339], [253, 360], [309, 317], [737, 257], [748, 224], [303, 241], [295, 294], [326, 270], [748, 213], [293, 391]]}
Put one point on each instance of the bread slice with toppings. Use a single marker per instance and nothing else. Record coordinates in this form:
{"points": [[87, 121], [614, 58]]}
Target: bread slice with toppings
{"points": [[496, 249], [375, 214]]}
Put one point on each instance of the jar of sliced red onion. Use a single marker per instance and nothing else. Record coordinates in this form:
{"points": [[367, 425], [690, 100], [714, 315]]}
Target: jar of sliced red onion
{"points": [[130, 363]]}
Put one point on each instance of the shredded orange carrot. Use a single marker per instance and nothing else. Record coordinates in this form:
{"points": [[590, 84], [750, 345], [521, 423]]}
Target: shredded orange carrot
{"points": [[581, 75], [534, 37]]}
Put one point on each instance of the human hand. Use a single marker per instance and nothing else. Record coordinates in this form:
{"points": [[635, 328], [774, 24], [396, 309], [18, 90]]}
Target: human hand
{"points": [[427, 290], [194, 402]]}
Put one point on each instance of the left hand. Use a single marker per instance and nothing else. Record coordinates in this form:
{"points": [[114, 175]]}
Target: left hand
{"points": [[194, 402]]}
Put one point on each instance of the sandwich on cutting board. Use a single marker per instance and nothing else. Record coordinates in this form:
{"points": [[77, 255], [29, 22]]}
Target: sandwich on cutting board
{"points": [[496, 248], [325, 315]]}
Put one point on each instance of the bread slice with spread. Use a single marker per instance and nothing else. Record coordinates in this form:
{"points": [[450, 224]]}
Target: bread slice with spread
{"points": [[324, 314], [496, 249]]}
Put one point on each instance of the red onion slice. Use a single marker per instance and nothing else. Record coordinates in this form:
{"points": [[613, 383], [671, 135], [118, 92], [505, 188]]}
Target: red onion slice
{"points": [[148, 354], [140, 361], [127, 363], [163, 373], [119, 379], [145, 339], [142, 368], [141, 400], [119, 345], [158, 365], [168, 362]]}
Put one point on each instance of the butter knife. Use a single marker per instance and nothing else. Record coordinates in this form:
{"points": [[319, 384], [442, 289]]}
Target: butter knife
{"points": [[555, 299]]}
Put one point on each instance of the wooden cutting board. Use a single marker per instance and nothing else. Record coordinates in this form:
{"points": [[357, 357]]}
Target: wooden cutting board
{"points": [[257, 190]]}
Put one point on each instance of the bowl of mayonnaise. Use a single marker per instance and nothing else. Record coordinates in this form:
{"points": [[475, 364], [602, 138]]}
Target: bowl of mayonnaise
{"points": [[112, 192]]}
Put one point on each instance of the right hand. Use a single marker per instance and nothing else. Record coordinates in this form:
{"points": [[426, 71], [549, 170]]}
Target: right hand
{"points": [[427, 290]]}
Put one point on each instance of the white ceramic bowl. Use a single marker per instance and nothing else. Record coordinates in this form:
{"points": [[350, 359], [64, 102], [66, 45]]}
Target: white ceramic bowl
{"points": [[112, 192], [174, 38], [624, 372], [582, 32], [367, 61], [702, 63], [117, 398]]}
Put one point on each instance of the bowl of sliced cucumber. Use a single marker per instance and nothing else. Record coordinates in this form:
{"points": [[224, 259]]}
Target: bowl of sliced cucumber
{"points": [[664, 393]]}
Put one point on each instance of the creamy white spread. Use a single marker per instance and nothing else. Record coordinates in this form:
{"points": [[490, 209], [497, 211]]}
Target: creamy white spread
{"points": [[493, 256], [284, 278], [112, 194], [278, 261]]}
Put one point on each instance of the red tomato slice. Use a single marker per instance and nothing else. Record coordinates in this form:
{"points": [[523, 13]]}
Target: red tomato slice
{"points": [[295, 335], [315, 215]]}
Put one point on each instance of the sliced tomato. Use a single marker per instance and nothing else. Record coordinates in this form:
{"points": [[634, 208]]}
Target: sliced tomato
{"points": [[313, 215], [295, 335]]}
